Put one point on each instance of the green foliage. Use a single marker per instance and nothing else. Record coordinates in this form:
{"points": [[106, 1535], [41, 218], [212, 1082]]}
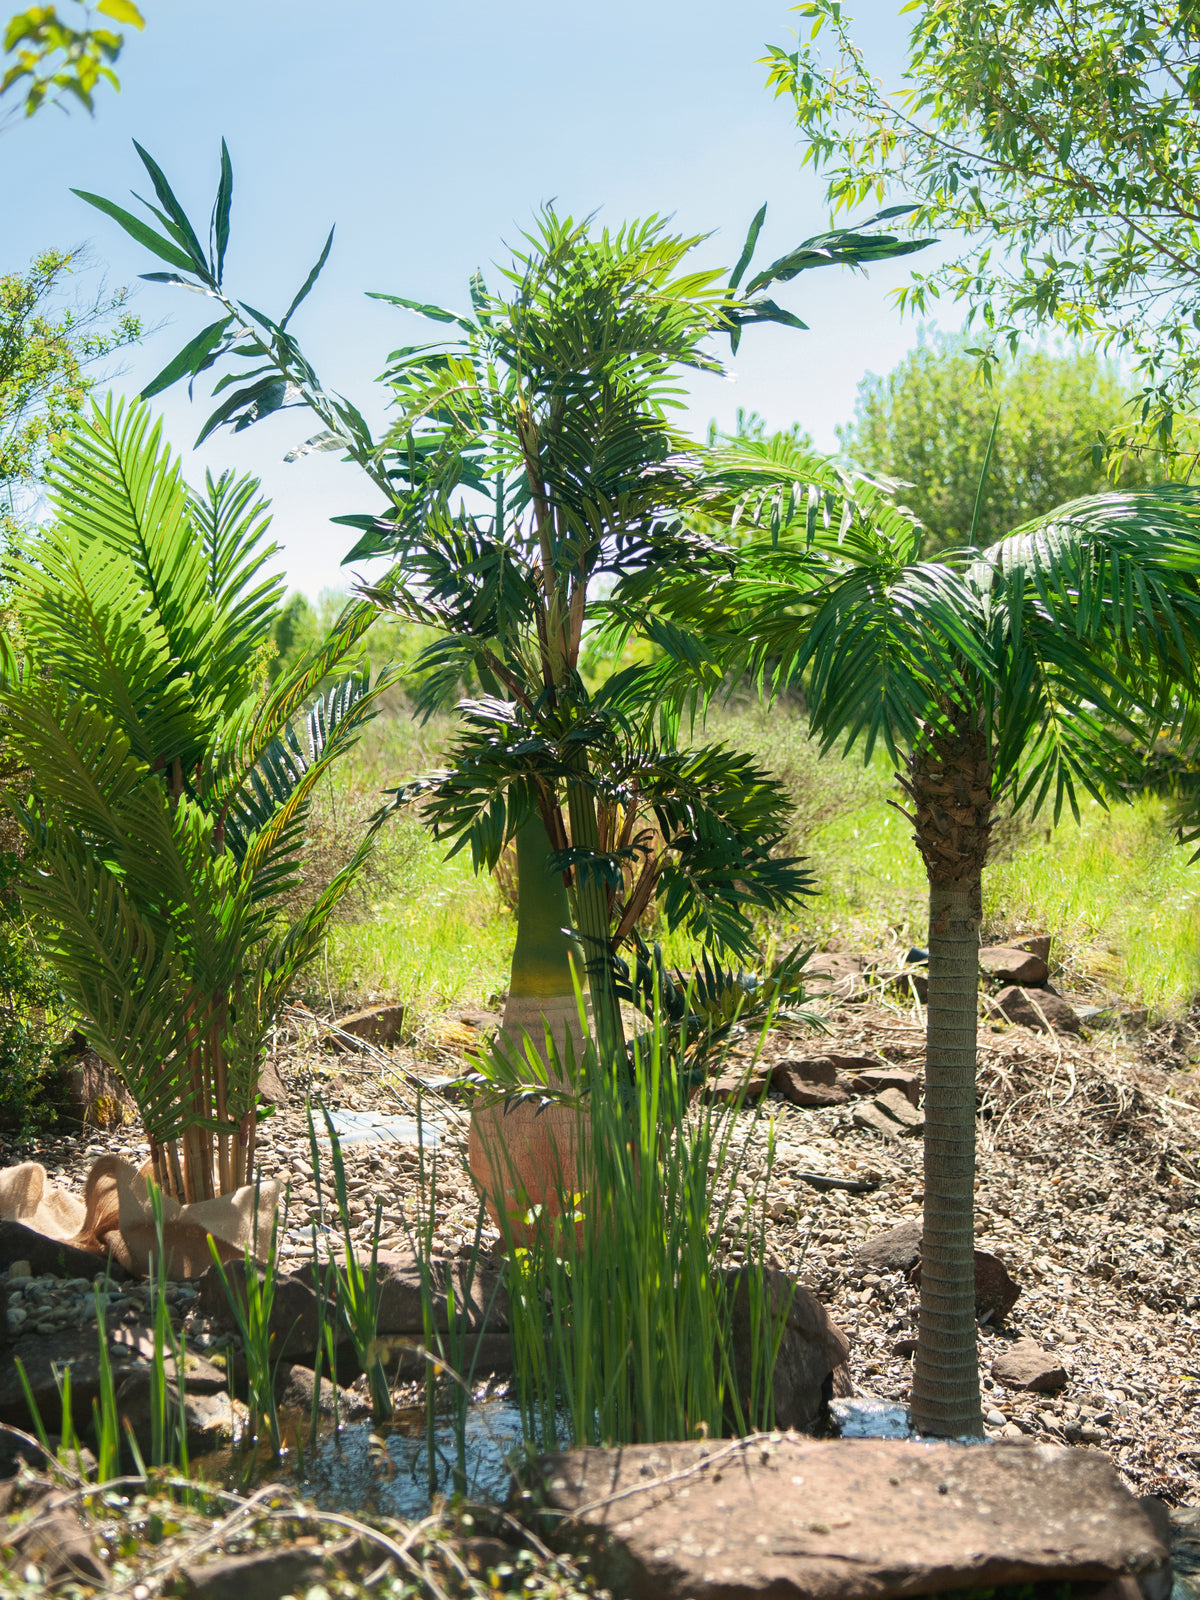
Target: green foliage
{"points": [[621, 1314], [46, 347], [167, 787], [54, 59], [550, 399], [32, 1016], [928, 424], [1062, 146]]}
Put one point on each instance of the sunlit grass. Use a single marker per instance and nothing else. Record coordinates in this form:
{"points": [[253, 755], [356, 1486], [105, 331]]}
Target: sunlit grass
{"points": [[1115, 892]]}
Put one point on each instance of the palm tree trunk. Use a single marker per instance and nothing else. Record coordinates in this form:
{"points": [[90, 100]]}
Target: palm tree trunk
{"points": [[595, 930], [950, 784], [541, 991], [945, 1397]]}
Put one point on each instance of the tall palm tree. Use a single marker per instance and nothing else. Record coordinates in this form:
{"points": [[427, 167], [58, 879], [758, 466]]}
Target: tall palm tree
{"points": [[531, 461], [1025, 673], [167, 786]]}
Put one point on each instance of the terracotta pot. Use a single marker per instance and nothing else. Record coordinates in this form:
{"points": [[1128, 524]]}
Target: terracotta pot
{"points": [[524, 1162]]}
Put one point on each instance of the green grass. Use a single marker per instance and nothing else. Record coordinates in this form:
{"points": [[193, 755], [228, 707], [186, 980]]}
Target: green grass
{"points": [[1115, 892]]}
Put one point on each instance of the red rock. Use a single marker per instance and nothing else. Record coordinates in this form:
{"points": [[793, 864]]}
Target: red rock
{"points": [[735, 1090], [872, 1080], [899, 1250], [1025, 1365], [1007, 965], [802, 1091], [1038, 1010], [1038, 944], [799, 1519], [813, 1350], [811, 1069]]}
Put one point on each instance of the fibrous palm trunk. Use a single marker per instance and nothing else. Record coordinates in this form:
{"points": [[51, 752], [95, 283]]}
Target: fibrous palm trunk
{"points": [[950, 784]]}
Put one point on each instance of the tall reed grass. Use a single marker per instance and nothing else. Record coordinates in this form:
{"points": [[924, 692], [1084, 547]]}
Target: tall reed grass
{"points": [[621, 1309]]}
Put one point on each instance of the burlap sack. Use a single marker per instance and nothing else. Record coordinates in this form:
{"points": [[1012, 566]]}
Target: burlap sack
{"points": [[115, 1217]]}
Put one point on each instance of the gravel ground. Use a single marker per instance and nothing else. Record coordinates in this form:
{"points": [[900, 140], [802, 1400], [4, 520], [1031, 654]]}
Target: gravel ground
{"points": [[1087, 1188]]}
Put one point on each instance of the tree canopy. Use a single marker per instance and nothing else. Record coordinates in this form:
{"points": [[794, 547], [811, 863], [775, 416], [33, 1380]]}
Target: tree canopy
{"points": [[1061, 144], [46, 348], [51, 59], [929, 424]]}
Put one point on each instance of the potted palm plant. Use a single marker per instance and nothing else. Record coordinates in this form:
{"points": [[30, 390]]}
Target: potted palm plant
{"points": [[167, 785]]}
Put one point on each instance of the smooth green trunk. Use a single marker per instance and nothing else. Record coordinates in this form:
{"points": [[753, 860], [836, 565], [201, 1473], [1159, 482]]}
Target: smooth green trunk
{"points": [[945, 1395], [541, 993]]}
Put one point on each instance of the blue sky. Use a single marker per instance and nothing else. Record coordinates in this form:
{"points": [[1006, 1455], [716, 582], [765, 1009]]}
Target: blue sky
{"points": [[429, 134]]}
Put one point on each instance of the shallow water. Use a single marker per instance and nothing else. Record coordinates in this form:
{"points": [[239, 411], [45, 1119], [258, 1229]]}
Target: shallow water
{"points": [[386, 1469]]}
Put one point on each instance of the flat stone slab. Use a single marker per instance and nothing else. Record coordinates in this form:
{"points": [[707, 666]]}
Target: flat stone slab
{"points": [[781, 1517]]}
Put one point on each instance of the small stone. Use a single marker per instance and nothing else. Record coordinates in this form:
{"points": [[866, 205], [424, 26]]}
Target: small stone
{"points": [[900, 1108], [378, 1025], [995, 1419], [20, 1269], [897, 1250], [1042, 1010], [873, 1080], [810, 1069], [1025, 1365], [1007, 965], [801, 1091]]}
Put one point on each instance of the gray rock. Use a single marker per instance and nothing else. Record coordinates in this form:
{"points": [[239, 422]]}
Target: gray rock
{"points": [[256, 1575], [51, 1257], [802, 1519], [294, 1386]]}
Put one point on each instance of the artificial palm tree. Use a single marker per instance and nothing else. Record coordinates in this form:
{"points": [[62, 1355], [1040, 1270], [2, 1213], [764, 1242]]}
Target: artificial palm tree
{"points": [[168, 786], [1026, 673], [530, 463]]}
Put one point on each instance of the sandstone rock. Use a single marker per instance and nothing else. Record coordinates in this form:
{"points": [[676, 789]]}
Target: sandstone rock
{"points": [[93, 1094], [874, 1079], [736, 1089], [1007, 965], [42, 1355], [294, 1388], [803, 1091], [63, 1549], [875, 1119], [378, 1025], [296, 1313], [1019, 1007], [46, 1256], [812, 1348], [809, 1069], [900, 1108], [802, 1519], [1025, 1365], [852, 1065], [890, 1113], [254, 1575], [897, 1250], [1037, 944], [212, 1419]]}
